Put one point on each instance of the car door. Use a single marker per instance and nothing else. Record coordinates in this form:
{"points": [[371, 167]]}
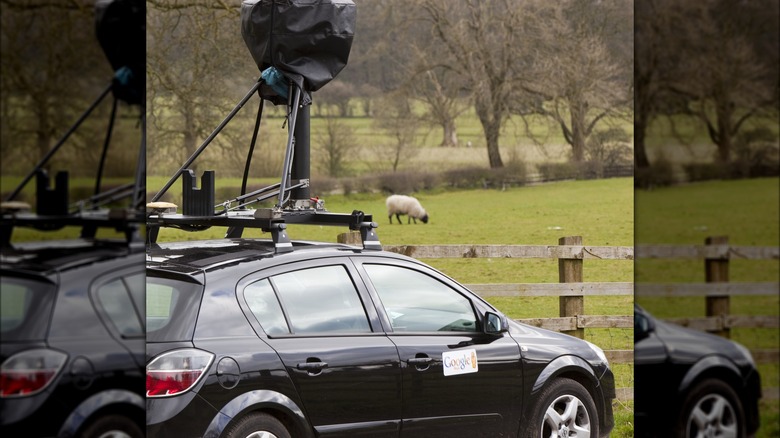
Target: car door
{"points": [[456, 378], [327, 333]]}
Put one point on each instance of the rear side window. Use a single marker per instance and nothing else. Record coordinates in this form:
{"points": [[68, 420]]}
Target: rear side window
{"points": [[25, 308], [114, 298], [308, 301], [171, 309], [417, 302]]}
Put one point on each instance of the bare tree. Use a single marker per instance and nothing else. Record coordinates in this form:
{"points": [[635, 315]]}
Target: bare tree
{"points": [[336, 144], [483, 44], [195, 58], [396, 118], [576, 72], [51, 67], [719, 71]]}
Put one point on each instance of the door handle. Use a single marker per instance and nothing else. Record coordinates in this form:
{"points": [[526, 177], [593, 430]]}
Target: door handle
{"points": [[419, 360], [312, 366]]}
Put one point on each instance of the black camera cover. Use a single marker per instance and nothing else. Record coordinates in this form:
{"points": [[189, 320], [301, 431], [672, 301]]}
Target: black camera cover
{"points": [[308, 41]]}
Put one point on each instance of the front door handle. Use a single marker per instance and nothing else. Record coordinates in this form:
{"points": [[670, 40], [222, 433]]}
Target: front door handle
{"points": [[312, 366], [419, 361]]}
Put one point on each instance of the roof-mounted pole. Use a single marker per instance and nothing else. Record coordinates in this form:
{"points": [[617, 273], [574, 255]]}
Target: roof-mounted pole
{"points": [[288, 155]]}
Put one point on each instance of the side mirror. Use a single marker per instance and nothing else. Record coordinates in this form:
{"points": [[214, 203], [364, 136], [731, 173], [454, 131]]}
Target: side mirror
{"points": [[643, 326], [495, 324]]}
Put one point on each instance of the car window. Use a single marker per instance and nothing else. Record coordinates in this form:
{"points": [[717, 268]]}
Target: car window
{"points": [[25, 307], [171, 309], [264, 304], [136, 284], [114, 298], [321, 300], [417, 302]]}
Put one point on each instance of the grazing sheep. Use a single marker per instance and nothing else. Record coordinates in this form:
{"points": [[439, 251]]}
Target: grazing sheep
{"points": [[400, 204]]}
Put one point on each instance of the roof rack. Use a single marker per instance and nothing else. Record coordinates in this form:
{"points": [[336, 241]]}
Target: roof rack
{"points": [[279, 83]]}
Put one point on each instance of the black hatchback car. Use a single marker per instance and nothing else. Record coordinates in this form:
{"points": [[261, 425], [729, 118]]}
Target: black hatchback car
{"points": [[335, 340], [690, 383], [72, 339]]}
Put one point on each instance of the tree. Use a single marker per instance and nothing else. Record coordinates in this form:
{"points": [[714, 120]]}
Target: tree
{"points": [[719, 72], [195, 59], [336, 144], [396, 118], [439, 89], [483, 43], [51, 67], [576, 72]]}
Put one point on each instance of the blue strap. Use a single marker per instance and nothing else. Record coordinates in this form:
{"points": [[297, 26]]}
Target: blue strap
{"points": [[275, 80]]}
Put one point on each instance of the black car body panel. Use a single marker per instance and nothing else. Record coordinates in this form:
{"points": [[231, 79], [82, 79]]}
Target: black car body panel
{"points": [[670, 360], [383, 376], [104, 369]]}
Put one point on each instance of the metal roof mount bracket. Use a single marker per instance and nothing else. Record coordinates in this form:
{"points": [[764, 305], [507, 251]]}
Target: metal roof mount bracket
{"points": [[198, 201], [51, 201], [281, 240], [369, 237]]}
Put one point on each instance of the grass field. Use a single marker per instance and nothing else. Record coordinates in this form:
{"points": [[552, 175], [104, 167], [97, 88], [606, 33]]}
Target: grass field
{"points": [[748, 212]]}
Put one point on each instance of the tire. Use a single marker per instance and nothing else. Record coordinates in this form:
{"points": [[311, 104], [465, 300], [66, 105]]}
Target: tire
{"points": [[563, 409], [113, 426], [257, 425], [711, 409]]}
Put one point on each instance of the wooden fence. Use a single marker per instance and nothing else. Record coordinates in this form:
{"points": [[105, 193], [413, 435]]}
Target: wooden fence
{"points": [[571, 290], [717, 290]]}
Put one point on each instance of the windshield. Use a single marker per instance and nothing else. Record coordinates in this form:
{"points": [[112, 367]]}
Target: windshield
{"points": [[171, 309], [25, 308]]}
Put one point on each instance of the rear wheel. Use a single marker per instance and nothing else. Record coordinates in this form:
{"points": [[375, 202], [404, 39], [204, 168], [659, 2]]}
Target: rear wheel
{"points": [[564, 409], [257, 425], [113, 426]]}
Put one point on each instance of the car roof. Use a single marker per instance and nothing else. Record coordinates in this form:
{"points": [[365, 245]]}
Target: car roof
{"points": [[203, 255], [48, 257]]}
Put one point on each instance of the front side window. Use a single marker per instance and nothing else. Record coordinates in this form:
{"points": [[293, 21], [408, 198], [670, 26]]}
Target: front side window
{"points": [[308, 301], [419, 303]]}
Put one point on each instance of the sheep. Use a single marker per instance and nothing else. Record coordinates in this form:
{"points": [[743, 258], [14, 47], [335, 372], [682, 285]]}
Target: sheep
{"points": [[400, 204]]}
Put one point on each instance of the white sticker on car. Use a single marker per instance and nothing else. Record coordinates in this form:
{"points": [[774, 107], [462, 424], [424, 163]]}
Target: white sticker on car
{"points": [[459, 362]]}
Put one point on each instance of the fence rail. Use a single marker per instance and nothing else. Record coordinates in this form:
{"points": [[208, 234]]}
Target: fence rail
{"points": [[571, 290]]}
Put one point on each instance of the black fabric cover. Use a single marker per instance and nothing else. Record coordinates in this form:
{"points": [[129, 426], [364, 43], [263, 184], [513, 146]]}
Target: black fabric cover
{"points": [[121, 30], [308, 41]]}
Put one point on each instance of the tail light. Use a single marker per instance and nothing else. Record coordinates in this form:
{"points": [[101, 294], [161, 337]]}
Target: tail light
{"points": [[176, 372], [29, 372]]}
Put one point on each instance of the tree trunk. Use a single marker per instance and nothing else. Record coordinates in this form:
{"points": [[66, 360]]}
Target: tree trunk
{"points": [[724, 114], [578, 135], [43, 137], [494, 153], [640, 154], [450, 138], [190, 139], [491, 125]]}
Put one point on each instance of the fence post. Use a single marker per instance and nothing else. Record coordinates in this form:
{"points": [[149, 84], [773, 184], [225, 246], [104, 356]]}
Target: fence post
{"points": [[350, 238], [717, 271], [570, 271]]}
